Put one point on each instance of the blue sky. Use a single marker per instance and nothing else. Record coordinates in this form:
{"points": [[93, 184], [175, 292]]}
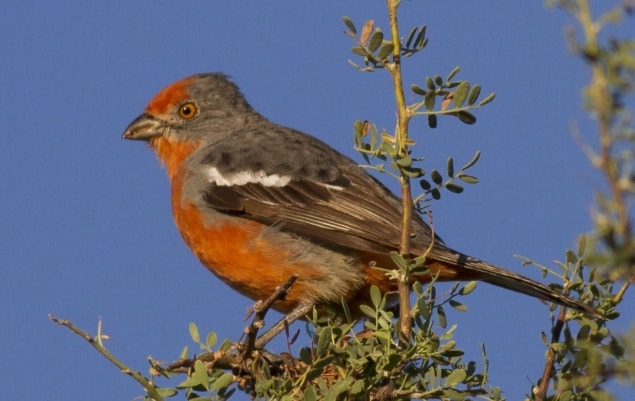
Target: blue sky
{"points": [[87, 230]]}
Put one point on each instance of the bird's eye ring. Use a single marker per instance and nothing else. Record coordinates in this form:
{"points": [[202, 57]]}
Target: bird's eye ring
{"points": [[187, 110]]}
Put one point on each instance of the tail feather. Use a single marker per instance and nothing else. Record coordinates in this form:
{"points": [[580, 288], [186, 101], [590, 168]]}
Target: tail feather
{"points": [[509, 280]]}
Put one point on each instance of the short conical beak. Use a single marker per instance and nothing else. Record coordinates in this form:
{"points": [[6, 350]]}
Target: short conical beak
{"points": [[144, 127]]}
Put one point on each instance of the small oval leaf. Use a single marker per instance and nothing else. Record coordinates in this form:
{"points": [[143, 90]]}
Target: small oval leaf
{"points": [[457, 305], [436, 177], [411, 36], [454, 188], [430, 83], [456, 377], [450, 167], [488, 99], [418, 90], [468, 288], [223, 381], [474, 93], [468, 179], [375, 40], [443, 322], [324, 339], [375, 295], [385, 50], [405, 161], [432, 120], [466, 117], [460, 94], [349, 24], [452, 73], [194, 332], [429, 100], [477, 155]]}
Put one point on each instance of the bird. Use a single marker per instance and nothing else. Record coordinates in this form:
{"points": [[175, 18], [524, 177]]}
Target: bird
{"points": [[258, 203]]}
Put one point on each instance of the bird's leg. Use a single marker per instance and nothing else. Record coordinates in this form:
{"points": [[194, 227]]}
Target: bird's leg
{"points": [[297, 313], [260, 309]]}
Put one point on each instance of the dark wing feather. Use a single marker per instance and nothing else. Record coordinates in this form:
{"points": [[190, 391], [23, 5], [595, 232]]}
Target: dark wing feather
{"points": [[328, 197], [350, 216]]}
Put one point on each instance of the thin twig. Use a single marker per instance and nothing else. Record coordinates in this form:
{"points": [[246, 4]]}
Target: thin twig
{"points": [[147, 384], [541, 393]]}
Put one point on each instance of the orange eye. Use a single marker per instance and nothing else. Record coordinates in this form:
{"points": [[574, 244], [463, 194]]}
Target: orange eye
{"points": [[187, 110]]}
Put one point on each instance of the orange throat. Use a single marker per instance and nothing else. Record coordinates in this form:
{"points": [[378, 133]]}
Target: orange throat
{"points": [[172, 154]]}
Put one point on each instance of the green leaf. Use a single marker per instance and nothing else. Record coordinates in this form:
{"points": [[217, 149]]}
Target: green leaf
{"points": [[222, 381], [581, 246], [583, 333], [367, 310], [324, 339], [425, 184], [166, 392], [571, 257], [457, 305], [466, 117], [225, 345], [468, 179], [488, 99], [438, 80], [211, 339], [375, 40], [194, 333], [356, 388], [429, 99], [474, 93], [310, 394], [454, 188], [430, 83], [468, 288], [460, 94], [411, 36], [200, 374], [443, 321], [385, 50], [456, 377], [436, 177], [405, 161], [435, 193], [359, 51], [349, 24], [450, 167], [432, 120], [412, 172], [399, 260], [418, 90], [452, 73], [421, 40], [477, 155], [375, 295]]}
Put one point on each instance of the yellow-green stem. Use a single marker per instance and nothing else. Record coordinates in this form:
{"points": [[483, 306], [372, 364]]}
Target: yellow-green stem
{"points": [[401, 136]]}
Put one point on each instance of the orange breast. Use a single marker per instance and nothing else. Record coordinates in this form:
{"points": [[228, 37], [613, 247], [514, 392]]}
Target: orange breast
{"points": [[234, 250]]}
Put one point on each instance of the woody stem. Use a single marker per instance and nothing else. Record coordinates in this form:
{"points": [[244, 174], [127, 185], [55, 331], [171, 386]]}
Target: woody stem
{"points": [[401, 136]]}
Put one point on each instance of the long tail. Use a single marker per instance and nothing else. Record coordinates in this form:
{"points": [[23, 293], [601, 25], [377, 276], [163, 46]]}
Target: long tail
{"points": [[500, 277]]}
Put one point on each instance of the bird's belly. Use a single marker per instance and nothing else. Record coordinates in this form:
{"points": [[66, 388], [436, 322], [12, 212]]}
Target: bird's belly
{"points": [[254, 259]]}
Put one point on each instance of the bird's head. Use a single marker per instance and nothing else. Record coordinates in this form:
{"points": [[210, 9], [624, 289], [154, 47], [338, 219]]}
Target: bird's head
{"points": [[190, 113]]}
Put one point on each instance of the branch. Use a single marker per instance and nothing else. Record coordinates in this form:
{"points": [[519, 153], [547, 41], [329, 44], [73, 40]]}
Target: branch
{"points": [[401, 136], [541, 393], [96, 343]]}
